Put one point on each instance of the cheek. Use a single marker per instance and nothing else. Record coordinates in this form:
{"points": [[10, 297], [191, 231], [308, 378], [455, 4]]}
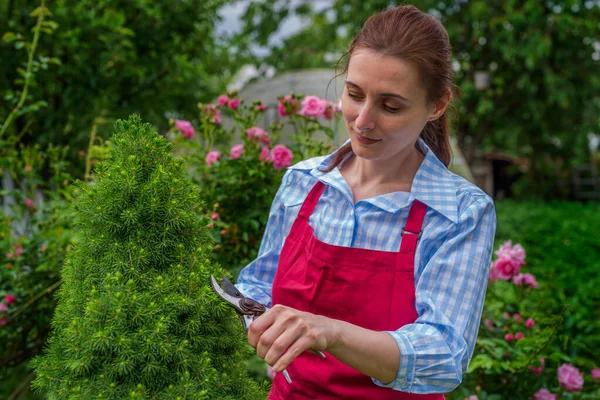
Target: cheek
{"points": [[349, 110]]}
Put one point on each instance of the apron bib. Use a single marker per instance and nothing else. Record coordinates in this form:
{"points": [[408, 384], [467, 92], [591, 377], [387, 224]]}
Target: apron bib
{"points": [[369, 288]]}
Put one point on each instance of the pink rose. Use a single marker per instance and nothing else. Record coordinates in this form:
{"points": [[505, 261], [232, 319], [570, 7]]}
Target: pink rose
{"points": [[9, 299], [28, 168], [516, 252], [287, 106], [260, 107], [519, 335], [3, 307], [330, 111], [212, 157], [264, 155], [234, 103], [506, 267], [210, 225], [29, 203], [509, 337], [256, 133], [517, 317], [43, 248], [506, 315], [223, 99], [3, 321], [18, 250], [213, 113], [570, 378], [223, 232], [282, 157], [540, 369], [525, 280], [186, 128], [544, 394], [236, 151], [489, 323], [595, 374], [9, 255], [214, 217], [313, 106], [529, 323]]}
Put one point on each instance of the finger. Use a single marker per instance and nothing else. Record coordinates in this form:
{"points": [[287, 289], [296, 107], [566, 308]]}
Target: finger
{"points": [[268, 337], [281, 344], [297, 348], [259, 326]]}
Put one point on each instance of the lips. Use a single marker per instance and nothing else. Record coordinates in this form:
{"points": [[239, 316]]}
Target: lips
{"points": [[365, 140]]}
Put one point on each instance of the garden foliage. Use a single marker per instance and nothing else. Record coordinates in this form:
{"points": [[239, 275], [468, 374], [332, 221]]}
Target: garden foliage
{"points": [[136, 317]]}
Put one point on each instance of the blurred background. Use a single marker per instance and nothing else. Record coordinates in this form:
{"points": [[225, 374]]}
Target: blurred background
{"points": [[526, 126]]}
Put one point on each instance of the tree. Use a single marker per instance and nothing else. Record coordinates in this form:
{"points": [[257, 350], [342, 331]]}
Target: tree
{"points": [[113, 58], [136, 317], [542, 59]]}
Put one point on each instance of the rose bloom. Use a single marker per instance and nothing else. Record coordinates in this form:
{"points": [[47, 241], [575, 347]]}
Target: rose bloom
{"points": [[234, 103], [509, 337], [256, 133], [489, 323], [236, 151], [529, 323], [525, 280], [313, 106], [595, 374], [285, 103], [264, 155], [516, 252], [519, 335], [260, 107], [29, 203], [517, 317], [214, 217], [9, 299], [212, 157], [186, 128], [570, 378], [223, 99], [544, 394], [282, 157], [538, 370], [507, 268]]}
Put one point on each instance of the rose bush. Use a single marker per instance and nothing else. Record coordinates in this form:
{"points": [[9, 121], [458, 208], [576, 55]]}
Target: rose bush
{"points": [[239, 164], [517, 356]]}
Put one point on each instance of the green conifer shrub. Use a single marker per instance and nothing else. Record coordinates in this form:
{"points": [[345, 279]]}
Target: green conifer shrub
{"points": [[136, 317]]}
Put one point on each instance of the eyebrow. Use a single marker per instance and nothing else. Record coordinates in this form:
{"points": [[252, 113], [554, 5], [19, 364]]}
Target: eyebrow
{"points": [[394, 95]]}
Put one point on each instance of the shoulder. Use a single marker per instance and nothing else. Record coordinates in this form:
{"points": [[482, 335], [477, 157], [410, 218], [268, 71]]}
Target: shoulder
{"points": [[299, 179], [469, 195]]}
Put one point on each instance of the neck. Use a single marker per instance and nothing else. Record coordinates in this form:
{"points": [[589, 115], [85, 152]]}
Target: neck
{"points": [[398, 170]]}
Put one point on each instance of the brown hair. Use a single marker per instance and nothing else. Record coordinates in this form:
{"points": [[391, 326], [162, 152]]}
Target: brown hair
{"points": [[420, 39]]}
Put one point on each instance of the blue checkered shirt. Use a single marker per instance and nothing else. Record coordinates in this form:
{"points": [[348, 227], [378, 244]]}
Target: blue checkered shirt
{"points": [[452, 259]]}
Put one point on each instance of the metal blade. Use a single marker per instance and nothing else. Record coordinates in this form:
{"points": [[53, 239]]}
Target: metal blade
{"points": [[229, 288], [233, 301]]}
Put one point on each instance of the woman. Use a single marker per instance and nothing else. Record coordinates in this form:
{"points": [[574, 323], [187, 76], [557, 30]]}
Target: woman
{"points": [[376, 254]]}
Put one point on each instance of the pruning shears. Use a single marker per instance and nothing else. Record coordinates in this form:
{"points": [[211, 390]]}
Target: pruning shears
{"points": [[246, 308]]}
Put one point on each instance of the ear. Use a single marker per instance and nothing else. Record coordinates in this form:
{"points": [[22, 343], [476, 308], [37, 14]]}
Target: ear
{"points": [[438, 109]]}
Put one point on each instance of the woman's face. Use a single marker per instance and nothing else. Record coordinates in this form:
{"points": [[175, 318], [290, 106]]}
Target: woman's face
{"points": [[384, 105]]}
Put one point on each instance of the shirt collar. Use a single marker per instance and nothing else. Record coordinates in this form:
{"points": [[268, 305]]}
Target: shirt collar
{"points": [[433, 184]]}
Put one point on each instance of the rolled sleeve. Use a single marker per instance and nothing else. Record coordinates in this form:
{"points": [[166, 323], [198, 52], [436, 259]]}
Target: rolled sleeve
{"points": [[436, 349]]}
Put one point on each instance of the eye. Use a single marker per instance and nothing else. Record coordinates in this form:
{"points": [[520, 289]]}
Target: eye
{"points": [[354, 96], [391, 109]]}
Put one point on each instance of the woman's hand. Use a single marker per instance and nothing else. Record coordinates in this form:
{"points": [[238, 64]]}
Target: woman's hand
{"points": [[283, 328]]}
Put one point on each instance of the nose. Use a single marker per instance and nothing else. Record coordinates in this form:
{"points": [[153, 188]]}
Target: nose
{"points": [[365, 120]]}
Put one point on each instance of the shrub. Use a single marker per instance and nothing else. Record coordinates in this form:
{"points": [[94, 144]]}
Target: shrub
{"points": [[136, 317]]}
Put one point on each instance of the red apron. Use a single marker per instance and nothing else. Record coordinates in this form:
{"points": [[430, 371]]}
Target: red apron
{"points": [[369, 288]]}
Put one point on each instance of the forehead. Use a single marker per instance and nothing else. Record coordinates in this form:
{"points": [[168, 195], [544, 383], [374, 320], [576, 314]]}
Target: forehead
{"points": [[377, 73]]}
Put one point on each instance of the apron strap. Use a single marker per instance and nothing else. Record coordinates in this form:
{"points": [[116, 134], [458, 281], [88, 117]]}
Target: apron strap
{"points": [[411, 233], [311, 200]]}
